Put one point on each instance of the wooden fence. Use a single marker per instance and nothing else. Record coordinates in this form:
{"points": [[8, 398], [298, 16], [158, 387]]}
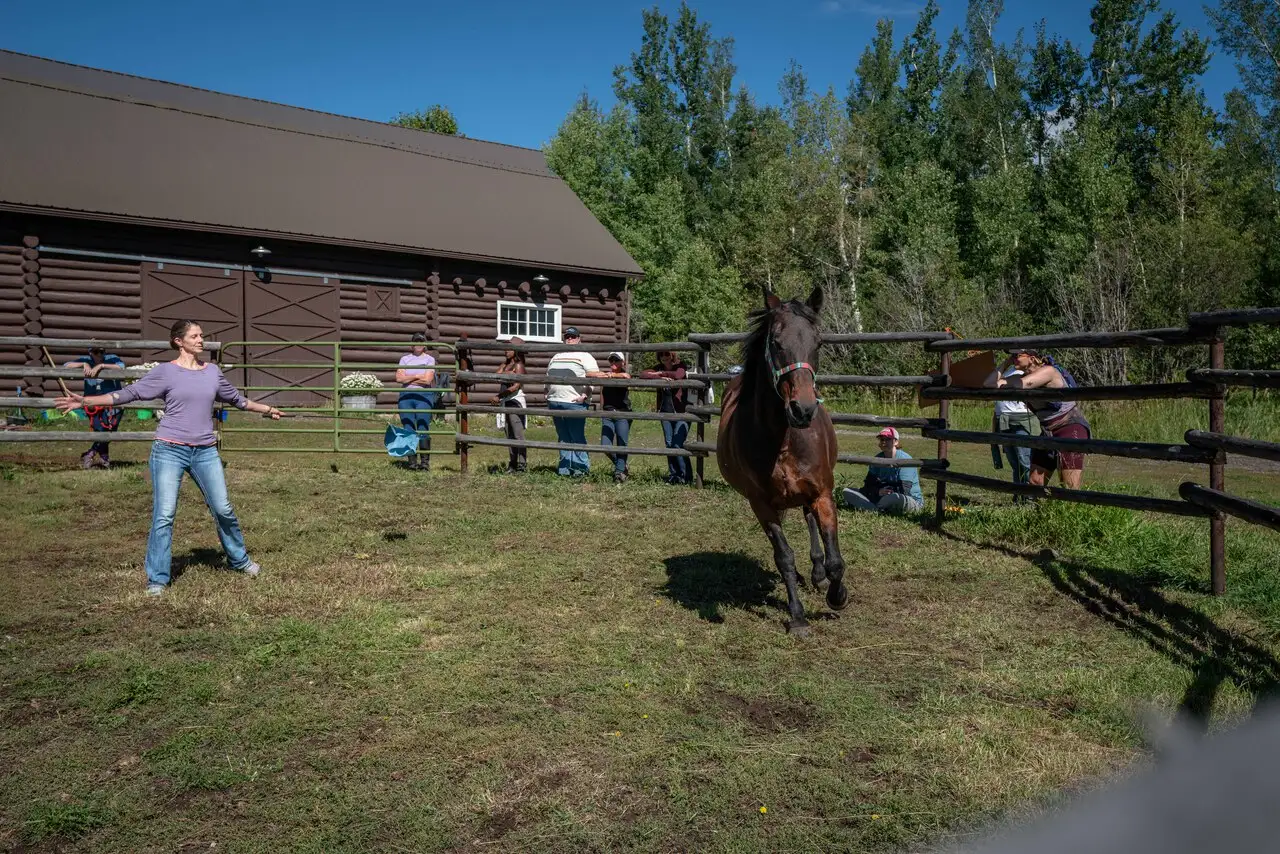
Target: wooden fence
{"points": [[1209, 448]]}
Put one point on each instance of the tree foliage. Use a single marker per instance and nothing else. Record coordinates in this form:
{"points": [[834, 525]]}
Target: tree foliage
{"points": [[961, 181], [437, 119]]}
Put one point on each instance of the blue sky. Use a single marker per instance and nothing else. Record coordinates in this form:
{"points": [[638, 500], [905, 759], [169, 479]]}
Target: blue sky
{"points": [[509, 70]]}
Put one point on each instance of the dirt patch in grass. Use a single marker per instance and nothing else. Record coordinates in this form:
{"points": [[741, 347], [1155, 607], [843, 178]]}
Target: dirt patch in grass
{"points": [[764, 714]]}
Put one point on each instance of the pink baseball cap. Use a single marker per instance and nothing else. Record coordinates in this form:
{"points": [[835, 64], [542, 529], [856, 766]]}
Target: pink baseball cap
{"points": [[890, 432]]}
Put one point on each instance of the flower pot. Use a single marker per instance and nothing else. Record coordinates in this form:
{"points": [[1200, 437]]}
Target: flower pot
{"points": [[360, 401]]}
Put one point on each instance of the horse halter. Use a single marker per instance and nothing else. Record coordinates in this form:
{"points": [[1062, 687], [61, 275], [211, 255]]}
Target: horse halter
{"points": [[780, 372]]}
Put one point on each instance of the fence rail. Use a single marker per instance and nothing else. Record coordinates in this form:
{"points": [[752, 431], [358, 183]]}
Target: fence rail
{"points": [[87, 344], [1175, 337], [1242, 508], [1138, 391], [1247, 379], [1078, 496], [1234, 445], [1105, 447], [488, 409]]}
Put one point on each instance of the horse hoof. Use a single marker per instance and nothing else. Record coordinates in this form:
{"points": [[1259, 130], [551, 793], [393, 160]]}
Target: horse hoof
{"points": [[838, 597], [798, 629]]}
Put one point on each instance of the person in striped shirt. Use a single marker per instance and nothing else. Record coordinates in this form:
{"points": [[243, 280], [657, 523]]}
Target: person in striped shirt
{"points": [[571, 364]]}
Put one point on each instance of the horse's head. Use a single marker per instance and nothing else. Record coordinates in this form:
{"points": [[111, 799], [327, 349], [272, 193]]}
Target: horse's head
{"points": [[790, 353]]}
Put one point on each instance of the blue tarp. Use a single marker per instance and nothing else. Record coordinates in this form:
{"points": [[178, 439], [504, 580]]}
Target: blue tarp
{"points": [[400, 441]]}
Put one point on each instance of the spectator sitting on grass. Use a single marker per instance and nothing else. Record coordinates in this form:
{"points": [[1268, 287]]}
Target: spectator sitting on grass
{"points": [[888, 490]]}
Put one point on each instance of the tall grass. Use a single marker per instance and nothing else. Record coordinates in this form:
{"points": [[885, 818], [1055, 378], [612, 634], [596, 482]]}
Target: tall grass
{"points": [[1167, 552]]}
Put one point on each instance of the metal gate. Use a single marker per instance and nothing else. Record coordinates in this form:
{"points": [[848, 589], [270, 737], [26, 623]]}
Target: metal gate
{"points": [[326, 414]]}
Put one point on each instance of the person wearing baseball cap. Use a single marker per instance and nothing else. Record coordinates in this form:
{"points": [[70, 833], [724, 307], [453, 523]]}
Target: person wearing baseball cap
{"points": [[572, 365], [888, 489]]}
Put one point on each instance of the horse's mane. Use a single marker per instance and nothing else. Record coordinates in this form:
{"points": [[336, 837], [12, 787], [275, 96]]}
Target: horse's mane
{"points": [[753, 360]]}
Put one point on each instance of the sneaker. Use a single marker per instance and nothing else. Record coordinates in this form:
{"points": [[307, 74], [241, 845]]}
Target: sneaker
{"points": [[88, 460], [619, 477], [251, 570], [155, 589]]}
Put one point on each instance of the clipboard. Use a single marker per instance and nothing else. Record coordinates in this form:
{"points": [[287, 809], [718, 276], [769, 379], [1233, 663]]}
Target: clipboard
{"points": [[969, 372]]}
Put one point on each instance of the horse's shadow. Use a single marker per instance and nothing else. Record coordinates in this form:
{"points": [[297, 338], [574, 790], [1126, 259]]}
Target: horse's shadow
{"points": [[1183, 635], [709, 582]]}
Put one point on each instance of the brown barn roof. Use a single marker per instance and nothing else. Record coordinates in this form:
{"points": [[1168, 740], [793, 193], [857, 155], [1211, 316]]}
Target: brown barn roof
{"points": [[81, 141]]}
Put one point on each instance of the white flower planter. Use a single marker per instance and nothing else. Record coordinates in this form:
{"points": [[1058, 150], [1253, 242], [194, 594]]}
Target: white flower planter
{"points": [[360, 401]]}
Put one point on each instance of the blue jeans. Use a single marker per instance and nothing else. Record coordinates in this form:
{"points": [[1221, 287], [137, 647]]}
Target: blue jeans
{"points": [[674, 433], [168, 463], [1019, 458], [419, 419], [571, 431], [616, 431]]}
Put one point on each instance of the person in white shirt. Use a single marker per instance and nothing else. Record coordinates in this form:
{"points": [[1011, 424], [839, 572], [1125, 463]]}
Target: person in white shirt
{"points": [[572, 364], [1014, 417]]}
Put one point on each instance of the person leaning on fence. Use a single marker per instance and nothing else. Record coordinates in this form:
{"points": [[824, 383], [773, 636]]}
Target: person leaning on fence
{"points": [[103, 419], [675, 400], [417, 374], [571, 364], [1061, 419], [511, 396], [888, 489], [1014, 418], [185, 442], [616, 431]]}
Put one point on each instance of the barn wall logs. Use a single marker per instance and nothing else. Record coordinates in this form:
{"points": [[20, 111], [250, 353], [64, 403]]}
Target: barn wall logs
{"points": [[89, 298], [466, 305], [374, 313], [17, 296], [65, 295]]}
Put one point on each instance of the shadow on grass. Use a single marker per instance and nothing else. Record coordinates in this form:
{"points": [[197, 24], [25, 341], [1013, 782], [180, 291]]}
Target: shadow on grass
{"points": [[1185, 636], [708, 582], [193, 558]]}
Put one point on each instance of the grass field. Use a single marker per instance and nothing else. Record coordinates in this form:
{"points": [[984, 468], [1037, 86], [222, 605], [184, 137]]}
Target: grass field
{"points": [[488, 663]]}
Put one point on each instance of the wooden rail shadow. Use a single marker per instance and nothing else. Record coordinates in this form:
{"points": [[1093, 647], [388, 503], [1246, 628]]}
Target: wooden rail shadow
{"points": [[1183, 635]]}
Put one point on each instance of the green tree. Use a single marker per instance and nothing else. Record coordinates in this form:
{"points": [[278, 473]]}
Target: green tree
{"points": [[437, 119]]}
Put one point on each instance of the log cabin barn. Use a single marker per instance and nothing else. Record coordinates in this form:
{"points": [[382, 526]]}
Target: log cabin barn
{"points": [[127, 203]]}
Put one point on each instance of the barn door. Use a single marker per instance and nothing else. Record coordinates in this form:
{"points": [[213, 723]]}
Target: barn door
{"points": [[291, 309], [213, 297]]}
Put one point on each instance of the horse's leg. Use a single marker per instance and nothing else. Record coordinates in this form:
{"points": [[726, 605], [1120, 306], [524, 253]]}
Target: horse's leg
{"points": [[786, 561], [815, 549], [824, 510]]}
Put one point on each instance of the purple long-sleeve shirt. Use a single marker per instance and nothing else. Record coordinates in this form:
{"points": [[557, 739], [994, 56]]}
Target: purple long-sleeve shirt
{"points": [[188, 400]]}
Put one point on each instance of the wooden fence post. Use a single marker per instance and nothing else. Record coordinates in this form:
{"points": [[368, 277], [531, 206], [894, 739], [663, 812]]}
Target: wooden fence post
{"points": [[704, 368], [464, 425], [1217, 470], [944, 411]]}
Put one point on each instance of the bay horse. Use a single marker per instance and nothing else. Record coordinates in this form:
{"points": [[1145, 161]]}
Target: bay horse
{"points": [[777, 445]]}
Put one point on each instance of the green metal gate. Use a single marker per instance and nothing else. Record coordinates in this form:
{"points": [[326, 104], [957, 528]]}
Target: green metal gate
{"points": [[334, 412]]}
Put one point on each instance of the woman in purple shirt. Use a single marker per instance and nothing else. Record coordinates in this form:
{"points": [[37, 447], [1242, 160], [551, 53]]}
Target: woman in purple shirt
{"points": [[185, 442]]}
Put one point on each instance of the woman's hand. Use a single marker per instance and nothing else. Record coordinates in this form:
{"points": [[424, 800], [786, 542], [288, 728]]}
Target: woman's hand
{"points": [[273, 413], [66, 404]]}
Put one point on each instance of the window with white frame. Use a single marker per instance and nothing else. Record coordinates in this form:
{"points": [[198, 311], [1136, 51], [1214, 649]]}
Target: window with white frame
{"points": [[530, 322]]}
